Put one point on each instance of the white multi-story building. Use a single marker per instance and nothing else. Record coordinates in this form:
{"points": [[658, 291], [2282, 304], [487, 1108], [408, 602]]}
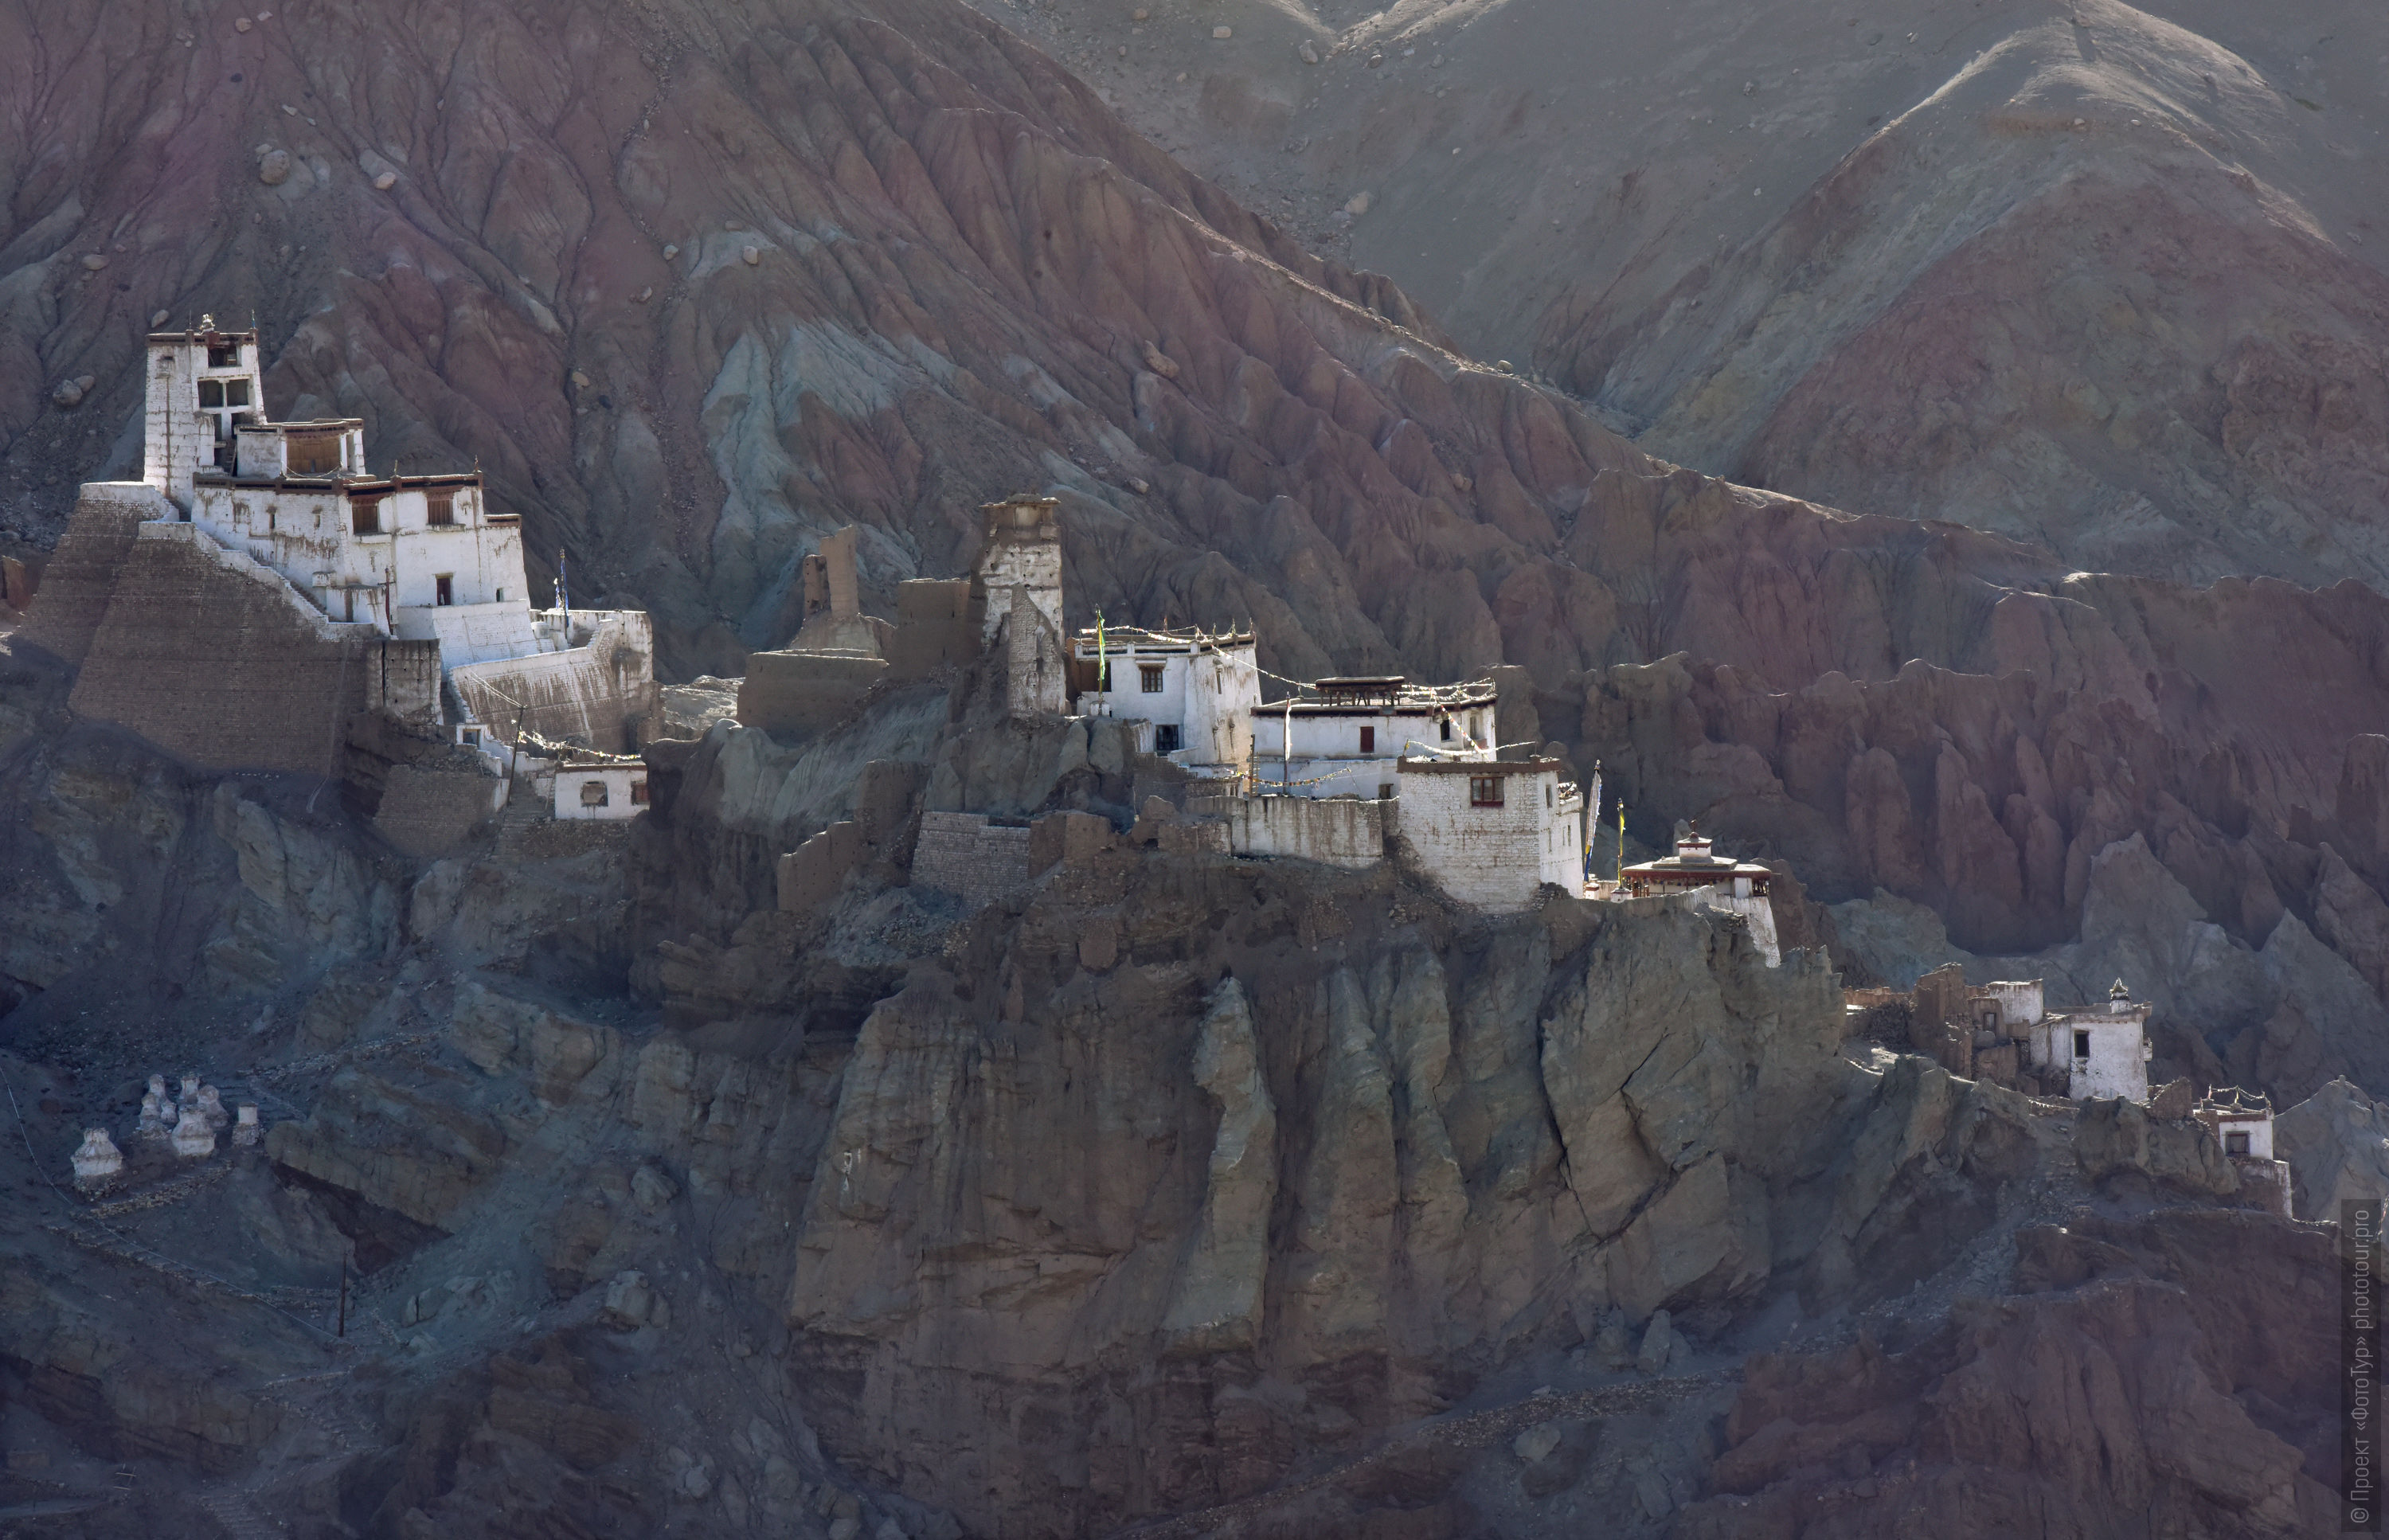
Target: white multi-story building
{"points": [[418, 558], [2100, 1052], [1350, 741], [1493, 832], [1196, 690]]}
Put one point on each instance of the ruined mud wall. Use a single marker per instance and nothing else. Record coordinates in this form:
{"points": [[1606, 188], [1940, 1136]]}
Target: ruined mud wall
{"points": [[797, 694]]}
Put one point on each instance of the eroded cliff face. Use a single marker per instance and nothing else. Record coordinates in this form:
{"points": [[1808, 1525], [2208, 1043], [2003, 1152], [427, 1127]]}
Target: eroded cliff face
{"points": [[1179, 1188]]}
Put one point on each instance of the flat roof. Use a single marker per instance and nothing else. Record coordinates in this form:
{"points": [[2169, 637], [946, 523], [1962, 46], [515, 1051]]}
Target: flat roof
{"points": [[1478, 766], [318, 424], [218, 337], [1427, 709]]}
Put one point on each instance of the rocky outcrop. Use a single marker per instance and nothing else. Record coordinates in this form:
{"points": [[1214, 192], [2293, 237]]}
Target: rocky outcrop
{"points": [[2337, 1146], [2174, 1365]]}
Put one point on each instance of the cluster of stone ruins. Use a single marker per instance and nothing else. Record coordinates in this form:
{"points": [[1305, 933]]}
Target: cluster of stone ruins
{"points": [[188, 1126], [1341, 770]]}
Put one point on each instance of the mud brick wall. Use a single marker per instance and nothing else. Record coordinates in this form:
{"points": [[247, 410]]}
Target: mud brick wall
{"points": [[966, 855], [804, 692], [80, 577], [216, 659]]}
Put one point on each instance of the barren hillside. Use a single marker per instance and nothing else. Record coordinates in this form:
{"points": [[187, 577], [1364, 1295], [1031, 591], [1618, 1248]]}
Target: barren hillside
{"points": [[2108, 279]]}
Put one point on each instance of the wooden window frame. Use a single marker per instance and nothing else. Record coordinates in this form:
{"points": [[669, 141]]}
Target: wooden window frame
{"points": [[1152, 678], [1487, 791]]}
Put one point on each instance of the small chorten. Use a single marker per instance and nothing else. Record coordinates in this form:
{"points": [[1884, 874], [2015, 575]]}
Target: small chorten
{"points": [[99, 1162], [153, 1116], [193, 1138], [211, 1107], [246, 1130]]}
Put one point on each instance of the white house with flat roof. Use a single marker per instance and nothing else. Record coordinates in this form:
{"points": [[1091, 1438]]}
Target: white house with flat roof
{"points": [[2100, 1052], [1197, 689], [1350, 739], [1493, 832]]}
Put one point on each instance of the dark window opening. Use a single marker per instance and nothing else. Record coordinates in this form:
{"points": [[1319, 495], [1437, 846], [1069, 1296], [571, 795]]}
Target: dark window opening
{"points": [[1485, 791], [236, 392], [2082, 1045], [211, 393], [1149, 674], [1446, 726], [349, 603], [444, 589], [1368, 740], [1547, 796], [1165, 738], [1384, 791], [592, 793], [2235, 1144], [225, 358], [439, 506], [638, 794], [364, 517]]}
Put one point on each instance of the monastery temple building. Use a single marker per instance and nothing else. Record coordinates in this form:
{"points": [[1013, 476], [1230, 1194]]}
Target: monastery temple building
{"points": [[262, 597]]}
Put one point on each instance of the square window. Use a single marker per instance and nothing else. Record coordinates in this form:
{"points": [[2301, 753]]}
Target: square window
{"points": [[226, 357], [236, 392], [592, 793], [1485, 791], [444, 589], [439, 506], [212, 392], [638, 794], [1165, 738], [2235, 1143], [1150, 675], [1384, 791], [364, 516], [1368, 740]]}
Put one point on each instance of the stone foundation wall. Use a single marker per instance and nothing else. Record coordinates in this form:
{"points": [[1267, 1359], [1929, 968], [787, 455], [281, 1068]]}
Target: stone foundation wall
{"points": [[1347, 832], [966, 855], [218, 660], [80, 577], [429, 811]]}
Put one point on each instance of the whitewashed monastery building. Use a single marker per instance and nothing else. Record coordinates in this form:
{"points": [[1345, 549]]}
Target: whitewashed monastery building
{"points": [[260, 595]]}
